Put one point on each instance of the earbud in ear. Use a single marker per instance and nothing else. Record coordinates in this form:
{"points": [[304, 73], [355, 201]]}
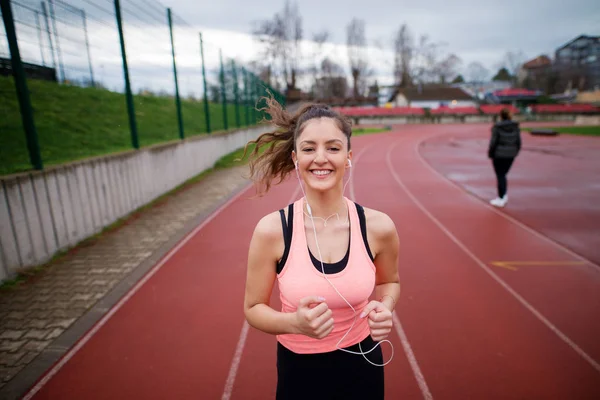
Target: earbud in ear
{"points": [[349, 163]]}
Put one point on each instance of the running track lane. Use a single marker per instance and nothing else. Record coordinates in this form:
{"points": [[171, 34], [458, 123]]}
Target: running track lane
{"points": [[176, 337], [552, 175], [472, 337]]}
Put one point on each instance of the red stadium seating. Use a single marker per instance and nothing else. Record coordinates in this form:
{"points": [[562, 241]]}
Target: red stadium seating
{"points": [[486, 109], [564, 108], [515, 92], [494, 109], [455, 111], [379, 111]]}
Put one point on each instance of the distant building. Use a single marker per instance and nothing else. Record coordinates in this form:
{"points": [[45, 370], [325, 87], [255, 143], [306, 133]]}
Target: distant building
{"points": [[577, 64], [591, 97], [385, 94], [537, 74], [432, 96]]}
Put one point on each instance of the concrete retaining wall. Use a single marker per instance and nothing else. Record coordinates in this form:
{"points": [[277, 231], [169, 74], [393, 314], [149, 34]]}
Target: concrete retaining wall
{"points": [[546, 117], [44, 212], [591, 120]]}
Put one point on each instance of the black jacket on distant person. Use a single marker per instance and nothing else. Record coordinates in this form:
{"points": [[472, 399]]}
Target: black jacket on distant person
{"points": [[506, 140]]}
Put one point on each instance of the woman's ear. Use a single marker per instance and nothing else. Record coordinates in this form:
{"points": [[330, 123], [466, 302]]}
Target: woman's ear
{"points": [[349, 162], [294, 159]]}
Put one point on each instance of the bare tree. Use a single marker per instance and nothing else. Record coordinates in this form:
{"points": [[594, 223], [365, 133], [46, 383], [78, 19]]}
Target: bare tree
{"points": [[448, 68], [332, 82], [425, 60], [513, 60], [403, 56], [357, 54], [294, 35], [420, 62], [264, 71], [331, 68], [281, 37], [319, 39], [269, 35], [365, 80], [477, 72]]}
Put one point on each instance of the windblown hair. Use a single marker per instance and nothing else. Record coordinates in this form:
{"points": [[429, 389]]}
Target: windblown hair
{"points": [[276, 160]]}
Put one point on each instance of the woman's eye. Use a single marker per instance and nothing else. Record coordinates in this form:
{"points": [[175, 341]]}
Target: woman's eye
{"points": [[334, 149], [307, 150]]}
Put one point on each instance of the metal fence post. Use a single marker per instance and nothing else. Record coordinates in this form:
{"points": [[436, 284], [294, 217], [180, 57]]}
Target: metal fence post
{"points": [[129, 97], [258, 99], [254, 88], [21, 86], [236, 94], [39, 31], [45, 12], [223, 95], [177, 99], [206, 110], [87, 46], [246, 97], [60, 62]]}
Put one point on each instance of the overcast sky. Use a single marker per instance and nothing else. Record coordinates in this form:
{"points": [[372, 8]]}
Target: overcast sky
{"points": [[475, 30], [479, 30]]}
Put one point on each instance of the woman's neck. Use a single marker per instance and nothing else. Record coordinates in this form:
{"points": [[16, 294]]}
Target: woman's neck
{"points": [[324, 204]]}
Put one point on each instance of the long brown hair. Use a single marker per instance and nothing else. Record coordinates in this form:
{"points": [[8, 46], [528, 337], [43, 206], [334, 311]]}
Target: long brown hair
{"points": [[276, 160]]}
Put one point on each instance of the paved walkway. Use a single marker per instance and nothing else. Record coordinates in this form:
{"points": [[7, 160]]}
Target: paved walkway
{"points": [[41, 319]]}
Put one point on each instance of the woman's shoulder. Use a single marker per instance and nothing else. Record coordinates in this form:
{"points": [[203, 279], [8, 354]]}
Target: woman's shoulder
{"points": [[269, 226], [379, 223]]}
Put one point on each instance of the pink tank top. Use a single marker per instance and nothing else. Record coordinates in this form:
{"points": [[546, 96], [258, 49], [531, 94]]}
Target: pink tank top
{"points": [[299, 278]]}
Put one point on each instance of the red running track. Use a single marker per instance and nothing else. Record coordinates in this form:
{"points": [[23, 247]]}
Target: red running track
{"points": [[471, 321], [554, 185]]}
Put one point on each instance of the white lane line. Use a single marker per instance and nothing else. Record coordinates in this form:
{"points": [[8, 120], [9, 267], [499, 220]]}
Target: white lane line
{"points": [[410, 355], [494, 209], [124, 299], [237, 358], [235, 363], [481, 264], [412, 360]]}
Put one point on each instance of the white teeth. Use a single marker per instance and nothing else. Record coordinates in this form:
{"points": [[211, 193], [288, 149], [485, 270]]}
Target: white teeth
{"points": [[321, 172]]}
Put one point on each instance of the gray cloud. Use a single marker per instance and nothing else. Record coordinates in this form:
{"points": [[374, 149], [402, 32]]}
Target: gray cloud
{"points": [[473, 29]]}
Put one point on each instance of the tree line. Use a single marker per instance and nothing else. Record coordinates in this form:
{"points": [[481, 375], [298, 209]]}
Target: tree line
{"points": [[416, 60]]}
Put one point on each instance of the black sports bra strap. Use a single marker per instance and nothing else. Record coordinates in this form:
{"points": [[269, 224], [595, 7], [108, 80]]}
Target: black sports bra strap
{"points": [[287, 234], [290, 223], [283, 223], [363, 228]]}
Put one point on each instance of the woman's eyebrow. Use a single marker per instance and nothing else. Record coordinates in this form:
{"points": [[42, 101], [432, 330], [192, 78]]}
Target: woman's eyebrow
{"points": [[327, 142]]}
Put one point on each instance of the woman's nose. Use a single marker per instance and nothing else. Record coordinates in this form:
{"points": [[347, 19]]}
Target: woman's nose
{"points": [[320, 156]]}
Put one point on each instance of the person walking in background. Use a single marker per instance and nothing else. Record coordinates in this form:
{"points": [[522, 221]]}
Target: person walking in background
{"points": [[504, 147]]}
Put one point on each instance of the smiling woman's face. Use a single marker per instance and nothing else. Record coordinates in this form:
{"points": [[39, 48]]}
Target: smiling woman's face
{"points": [[322, 154]]}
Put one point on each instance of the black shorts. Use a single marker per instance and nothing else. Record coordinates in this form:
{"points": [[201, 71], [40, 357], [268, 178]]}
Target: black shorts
{"points": [[332, 375]]}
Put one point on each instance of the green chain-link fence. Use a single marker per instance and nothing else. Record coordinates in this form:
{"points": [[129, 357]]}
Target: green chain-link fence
{"points": [[85, 102]]}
